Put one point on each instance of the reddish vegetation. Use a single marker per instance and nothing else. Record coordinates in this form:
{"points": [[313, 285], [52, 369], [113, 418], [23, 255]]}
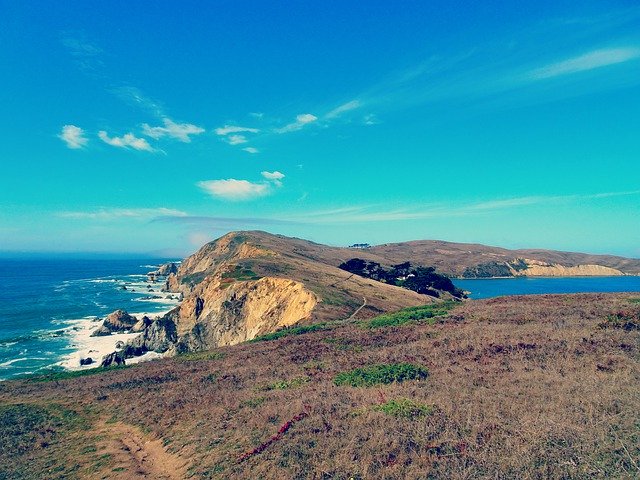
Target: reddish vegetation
{"points": [[283, 429], [521, 387]]}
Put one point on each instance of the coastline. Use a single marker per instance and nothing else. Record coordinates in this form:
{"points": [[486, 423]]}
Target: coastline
{"points": [[85, 346]]}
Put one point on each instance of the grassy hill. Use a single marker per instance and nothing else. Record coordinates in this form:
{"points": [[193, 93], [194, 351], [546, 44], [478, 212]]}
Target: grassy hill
{"points": [[513, 387]]}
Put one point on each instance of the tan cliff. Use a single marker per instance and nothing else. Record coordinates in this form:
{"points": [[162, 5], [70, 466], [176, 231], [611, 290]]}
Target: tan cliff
{"points": [[537, 268], [220, 315]]}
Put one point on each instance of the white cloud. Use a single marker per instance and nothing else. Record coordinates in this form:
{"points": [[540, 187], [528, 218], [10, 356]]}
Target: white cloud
{"points": [[227, 129], [301, 120], [371, 119], [588, 61], [232, 189], [73, 136], [236, 139], [181, 131], [336, 112], [251, 150], [114, 213], [275, 177], [126, 141]]}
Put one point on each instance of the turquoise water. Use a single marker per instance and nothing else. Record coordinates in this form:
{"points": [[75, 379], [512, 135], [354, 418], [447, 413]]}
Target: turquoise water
{"points": [[42, 301], [495, 287]]}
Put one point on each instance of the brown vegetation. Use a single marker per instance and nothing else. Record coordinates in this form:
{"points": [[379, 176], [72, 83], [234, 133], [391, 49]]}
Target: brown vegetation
{"points": [[517, 387]]}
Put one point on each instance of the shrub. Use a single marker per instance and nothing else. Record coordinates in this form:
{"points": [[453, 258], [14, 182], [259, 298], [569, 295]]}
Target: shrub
{"points": [[411, 314], [285, 332], [624, 320], [404, 408], [381, 374]]}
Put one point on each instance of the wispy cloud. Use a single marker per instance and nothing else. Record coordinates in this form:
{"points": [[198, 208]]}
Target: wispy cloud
{"points": [[301, 121], [374, 213], [275, 177], [104, 213], [73, 136], [251, 150], [180, 131], [206, 221], [137, 98], [86, 55], [128, 140], [227, 129], [345, 107], [232, 189], [236, 139], [588, 61]]}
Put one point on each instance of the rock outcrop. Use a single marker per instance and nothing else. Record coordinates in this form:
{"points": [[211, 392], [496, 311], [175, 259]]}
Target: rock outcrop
{"points": [[525, 267], [118, 321]]}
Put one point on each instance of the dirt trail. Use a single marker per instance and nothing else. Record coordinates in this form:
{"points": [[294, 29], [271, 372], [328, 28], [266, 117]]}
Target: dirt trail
{"points": [[364, 304], [134, 455]]}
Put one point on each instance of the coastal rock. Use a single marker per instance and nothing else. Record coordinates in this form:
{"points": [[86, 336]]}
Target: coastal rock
{"points": [[111, 359], [166, 269], [86, 361], [158, 336], [118, 321], [141, 324]]}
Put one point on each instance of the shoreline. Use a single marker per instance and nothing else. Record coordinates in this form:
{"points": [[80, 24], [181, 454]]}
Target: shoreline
{"points": [[85, 346]]}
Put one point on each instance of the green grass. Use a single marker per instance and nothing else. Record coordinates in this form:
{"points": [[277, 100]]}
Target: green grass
{"points": [[253, 402], [410, 315], [404, 408], [193, 279], [198, 356], [56, 375], [381, 374], [286, 384], [241, 274], [29, 427], [635, 300], [285, 332]]}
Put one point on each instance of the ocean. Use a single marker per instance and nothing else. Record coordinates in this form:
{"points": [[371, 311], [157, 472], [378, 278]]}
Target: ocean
{"points": [[45, 301], [495, 287]]}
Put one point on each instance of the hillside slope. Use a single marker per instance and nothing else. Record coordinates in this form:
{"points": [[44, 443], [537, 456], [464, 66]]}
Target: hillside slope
{"points": [[475, 260], [542, 386], [247, 284]]}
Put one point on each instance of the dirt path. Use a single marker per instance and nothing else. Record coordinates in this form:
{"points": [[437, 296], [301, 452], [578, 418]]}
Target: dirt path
{"points": [[134, 455], [364, 304]]}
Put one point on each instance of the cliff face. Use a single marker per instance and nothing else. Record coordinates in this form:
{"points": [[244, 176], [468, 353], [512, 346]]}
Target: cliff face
{"points": [[221, 315], [542, 269], [524, 267], [225, 302]]}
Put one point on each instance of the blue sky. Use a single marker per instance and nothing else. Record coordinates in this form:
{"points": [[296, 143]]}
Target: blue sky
{"points": [[131, 127]]}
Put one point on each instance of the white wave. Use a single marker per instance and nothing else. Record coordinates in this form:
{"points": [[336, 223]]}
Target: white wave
{"points": [[11, 362]]}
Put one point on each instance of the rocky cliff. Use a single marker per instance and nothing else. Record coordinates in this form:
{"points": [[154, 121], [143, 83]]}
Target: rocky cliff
{"points": [[526, 267]]}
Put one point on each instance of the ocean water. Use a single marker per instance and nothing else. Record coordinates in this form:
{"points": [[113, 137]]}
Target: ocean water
{"points": [[43, 300], [495, 287]]}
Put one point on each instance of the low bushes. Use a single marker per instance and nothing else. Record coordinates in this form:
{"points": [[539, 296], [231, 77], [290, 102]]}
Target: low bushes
{"points": [[381, 374], [285, 332], [411, 314], [404, 408]]}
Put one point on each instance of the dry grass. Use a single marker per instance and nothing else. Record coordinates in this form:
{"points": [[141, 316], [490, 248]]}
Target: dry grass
{"points": [[518, 387]]}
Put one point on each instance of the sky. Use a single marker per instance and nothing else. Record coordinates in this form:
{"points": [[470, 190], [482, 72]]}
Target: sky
{"points": [[152, 128]]}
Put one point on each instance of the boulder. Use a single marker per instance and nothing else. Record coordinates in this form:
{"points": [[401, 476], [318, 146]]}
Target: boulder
{"points": [[118, 321], [86, 361], [111, 359]]}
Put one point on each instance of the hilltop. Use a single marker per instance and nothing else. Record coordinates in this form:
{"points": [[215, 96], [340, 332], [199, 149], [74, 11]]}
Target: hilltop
{"points": [[513, 387], [247, 284]]}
